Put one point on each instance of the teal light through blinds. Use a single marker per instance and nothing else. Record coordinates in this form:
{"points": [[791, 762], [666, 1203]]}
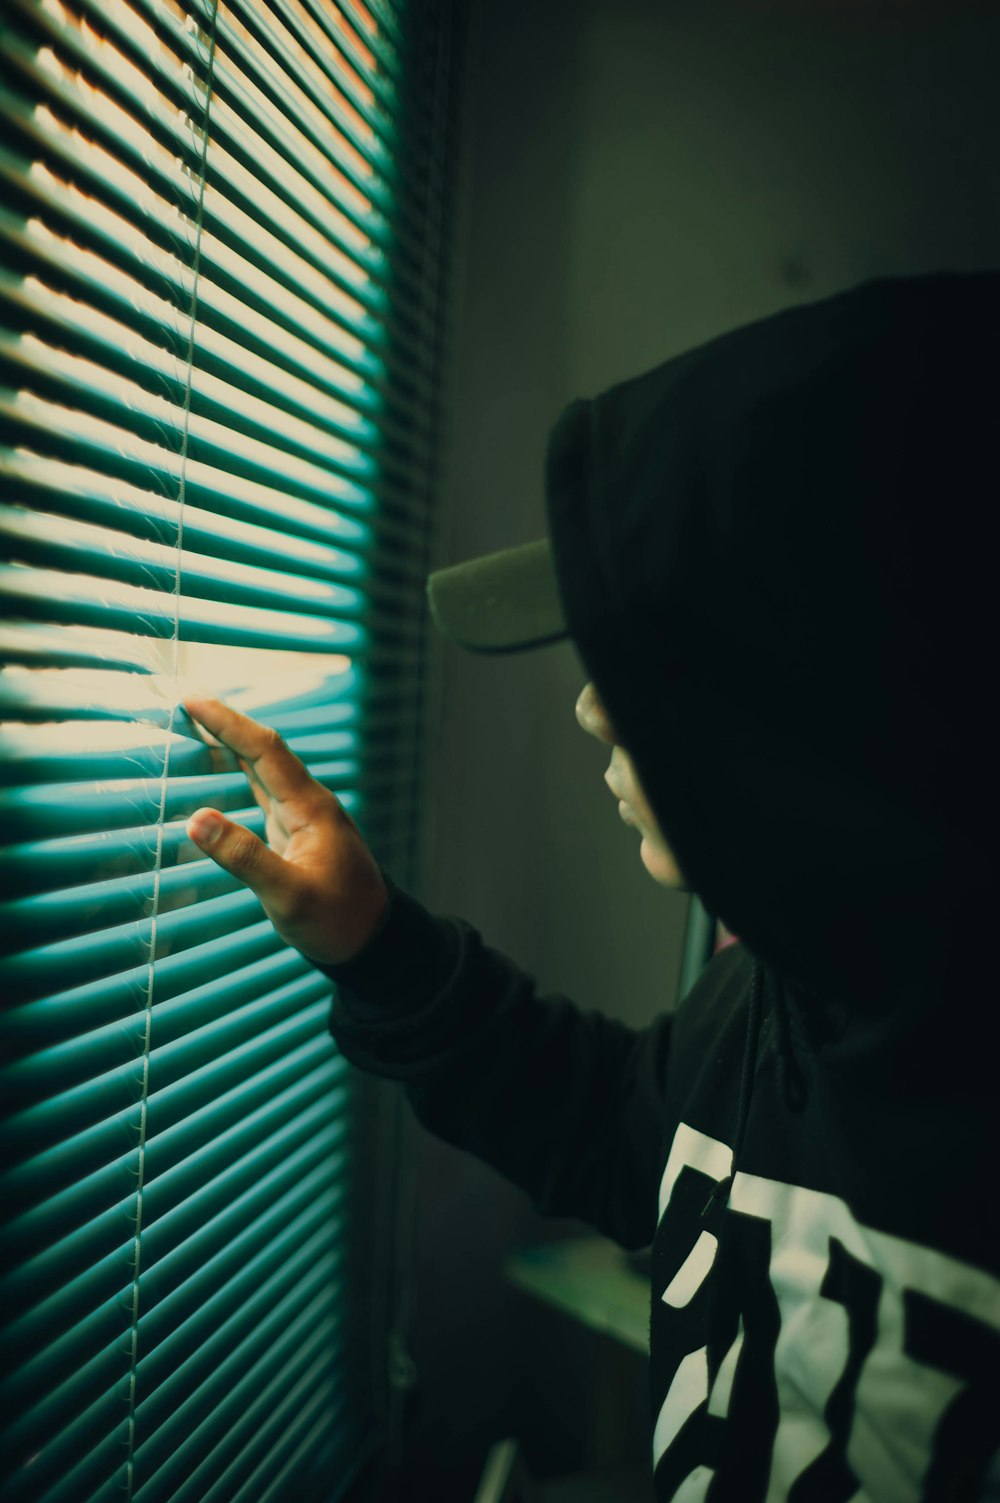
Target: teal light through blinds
{"points": [[222, 265]]}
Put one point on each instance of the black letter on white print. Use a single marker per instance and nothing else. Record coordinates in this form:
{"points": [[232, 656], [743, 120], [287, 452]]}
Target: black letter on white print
{"points": [[829, 1479], [968, 1434]]}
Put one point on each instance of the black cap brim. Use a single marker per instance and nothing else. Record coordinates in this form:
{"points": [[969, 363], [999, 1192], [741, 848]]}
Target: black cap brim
{"points": [[502, 602]]}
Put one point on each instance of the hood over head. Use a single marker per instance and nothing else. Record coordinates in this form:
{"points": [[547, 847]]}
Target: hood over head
{"points": [[774, 556]]}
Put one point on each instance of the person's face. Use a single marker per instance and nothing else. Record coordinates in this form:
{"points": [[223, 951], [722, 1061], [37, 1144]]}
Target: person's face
{"points": [[633, 807]]}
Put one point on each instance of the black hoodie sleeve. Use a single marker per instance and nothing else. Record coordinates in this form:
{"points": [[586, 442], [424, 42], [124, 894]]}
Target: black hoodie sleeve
{"points": [[566, 1104]]}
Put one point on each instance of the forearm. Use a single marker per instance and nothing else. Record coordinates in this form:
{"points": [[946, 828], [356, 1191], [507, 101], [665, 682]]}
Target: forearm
{"points": [[565, 1104]]}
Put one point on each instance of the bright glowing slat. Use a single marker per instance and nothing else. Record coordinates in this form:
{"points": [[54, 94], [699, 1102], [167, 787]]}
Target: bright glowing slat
{"points": [[292, 228], [261, 502], [159, 111], [309, 349], [118, 502], [125, 19], [99, 107], [98, 110], [367, 19], [83, 429], [270, 249], [330, 117], [99, 55], [52, 693], [57, 647], [361, 339], [107, 554], [88, 157], [38, 753], [333, 223], [75, 598], [38, 358], [323, 167], [333, 58], [325, 94], [333, 17], [135, 301], [339, 48]]}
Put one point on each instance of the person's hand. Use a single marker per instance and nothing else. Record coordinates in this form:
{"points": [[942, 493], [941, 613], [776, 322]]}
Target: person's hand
{"points": [[318, 882]]}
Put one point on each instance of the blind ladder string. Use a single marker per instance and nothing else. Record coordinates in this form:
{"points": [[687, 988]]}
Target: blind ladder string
{"points": [[161, 814]]}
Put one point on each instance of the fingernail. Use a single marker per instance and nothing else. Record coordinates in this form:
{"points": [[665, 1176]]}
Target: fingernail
{"points": [[204, 826]]}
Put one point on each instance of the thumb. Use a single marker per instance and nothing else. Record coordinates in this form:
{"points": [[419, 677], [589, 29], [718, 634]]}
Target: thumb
{"points": [[240, 852]]}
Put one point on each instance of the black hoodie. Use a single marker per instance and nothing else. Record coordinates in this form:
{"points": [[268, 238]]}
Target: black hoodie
{"points": [[775, 557]]}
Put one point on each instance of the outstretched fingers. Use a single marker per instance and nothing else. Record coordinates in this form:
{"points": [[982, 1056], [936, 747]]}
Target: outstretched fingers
{"points": [[240, 852], [277, 771]]}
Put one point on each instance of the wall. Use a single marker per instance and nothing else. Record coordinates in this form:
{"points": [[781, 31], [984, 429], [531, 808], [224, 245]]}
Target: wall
{"points": [[642, 174]]}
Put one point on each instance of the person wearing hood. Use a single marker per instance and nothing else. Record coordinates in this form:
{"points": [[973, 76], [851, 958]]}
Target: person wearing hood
{"points": [[771, 554]]}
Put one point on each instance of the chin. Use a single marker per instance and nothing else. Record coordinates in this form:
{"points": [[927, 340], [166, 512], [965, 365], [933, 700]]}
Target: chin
{"points": [[660, 864]]}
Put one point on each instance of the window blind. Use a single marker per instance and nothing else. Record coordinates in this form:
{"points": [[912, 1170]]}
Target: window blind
{"points": [[224, 231]]}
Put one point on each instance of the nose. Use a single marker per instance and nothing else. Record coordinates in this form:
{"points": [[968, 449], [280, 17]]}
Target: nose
{"points": [[593, 717]]}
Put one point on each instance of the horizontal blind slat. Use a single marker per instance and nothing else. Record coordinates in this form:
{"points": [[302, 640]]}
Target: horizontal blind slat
{"points": [[283, 1343], [275, 1251], [72, 808], [173, 1216], [77, 1458], [101, 1057], [299, 1427], [112, 504], [100, 552], [150, 137], [154, 86], [61, 1270], [56, 1385], [75, 599], [90, 956], [247, 1114], [227, 408], [38, 644], [118, 900], [57, 430], [279, 326], [39, 1124], [66, 1281], [290, 185], [77, 1162], [287, 1429], [332, 473]]}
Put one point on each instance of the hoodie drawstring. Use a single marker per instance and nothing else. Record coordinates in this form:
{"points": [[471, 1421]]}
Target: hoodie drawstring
{"points": [[790, 1074], [723, 1186]]}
